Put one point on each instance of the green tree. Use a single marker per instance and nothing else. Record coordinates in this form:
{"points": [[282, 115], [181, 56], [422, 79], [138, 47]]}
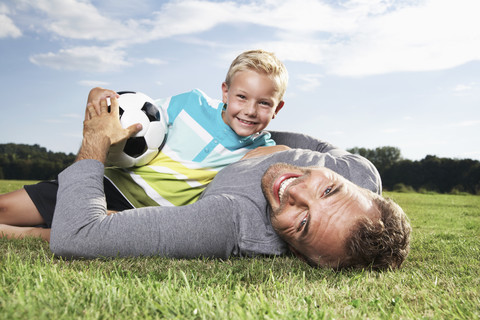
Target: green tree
{"points": [[381, 157]]}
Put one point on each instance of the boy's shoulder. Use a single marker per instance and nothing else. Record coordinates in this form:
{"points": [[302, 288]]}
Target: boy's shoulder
{"points": [[199, 92], [202, 96], [194, 92]]}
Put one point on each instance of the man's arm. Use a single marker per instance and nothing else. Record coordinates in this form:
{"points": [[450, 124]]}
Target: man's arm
{"points": [[352, 166], [81, 227]]}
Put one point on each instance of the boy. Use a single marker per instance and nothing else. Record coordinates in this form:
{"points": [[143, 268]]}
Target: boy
{"points": [[204, 137]]}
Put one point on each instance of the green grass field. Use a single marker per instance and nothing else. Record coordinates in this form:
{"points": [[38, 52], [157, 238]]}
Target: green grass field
{"points": [[440, 279]]}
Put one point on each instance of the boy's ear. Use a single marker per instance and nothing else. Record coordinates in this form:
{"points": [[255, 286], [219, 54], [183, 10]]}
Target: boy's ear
{"points": [[224, 92], [278, 108]]}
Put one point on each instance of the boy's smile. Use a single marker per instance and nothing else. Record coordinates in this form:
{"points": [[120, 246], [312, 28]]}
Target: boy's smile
{"points": [[251, 102]]}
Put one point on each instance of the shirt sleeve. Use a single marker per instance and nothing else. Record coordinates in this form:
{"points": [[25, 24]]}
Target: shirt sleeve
{"points": [[354, 167], [302, 141], [81, 227]]}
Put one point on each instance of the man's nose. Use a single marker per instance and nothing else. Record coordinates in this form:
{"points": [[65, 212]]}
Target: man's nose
{"points": [[298, 194]]}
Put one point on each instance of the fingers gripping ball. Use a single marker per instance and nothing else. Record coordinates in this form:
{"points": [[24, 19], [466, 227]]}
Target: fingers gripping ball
{"points": [[140, 149]]}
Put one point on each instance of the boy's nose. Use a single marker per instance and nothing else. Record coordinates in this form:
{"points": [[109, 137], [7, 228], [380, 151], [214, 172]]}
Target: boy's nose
{"points": [[251, 109]]}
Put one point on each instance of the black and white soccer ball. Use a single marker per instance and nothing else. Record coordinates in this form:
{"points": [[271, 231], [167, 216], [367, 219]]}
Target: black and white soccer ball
{"points": [[140, 149]]}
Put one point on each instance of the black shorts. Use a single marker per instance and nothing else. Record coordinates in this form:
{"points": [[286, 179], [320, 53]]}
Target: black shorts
{"points": [[44, 197]]}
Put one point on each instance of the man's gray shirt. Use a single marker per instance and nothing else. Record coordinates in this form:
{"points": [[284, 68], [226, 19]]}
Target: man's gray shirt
{"points": [[231, 218]]}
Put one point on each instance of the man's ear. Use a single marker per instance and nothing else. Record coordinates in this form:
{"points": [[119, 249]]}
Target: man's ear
{"points": [[224, 92], [278, 108]]}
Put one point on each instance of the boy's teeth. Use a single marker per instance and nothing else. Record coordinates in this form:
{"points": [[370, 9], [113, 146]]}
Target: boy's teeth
{"points": [[284, 186], [246, 122]]}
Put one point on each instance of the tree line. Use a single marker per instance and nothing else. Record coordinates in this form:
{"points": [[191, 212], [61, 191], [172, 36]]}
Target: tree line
{"points": [[432, 173], [31, 162], [443, 175]]}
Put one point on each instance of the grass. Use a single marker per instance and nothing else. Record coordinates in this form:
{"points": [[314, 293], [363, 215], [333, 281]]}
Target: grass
{"points": [[440, 279]]}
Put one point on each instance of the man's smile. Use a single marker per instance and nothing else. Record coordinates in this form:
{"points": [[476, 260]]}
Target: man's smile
{"points": [[282, 183]]}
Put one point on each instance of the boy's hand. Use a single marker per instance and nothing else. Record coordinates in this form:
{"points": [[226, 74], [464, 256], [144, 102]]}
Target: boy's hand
{"points": [[98, 94], [263, 151], [102, 129]]}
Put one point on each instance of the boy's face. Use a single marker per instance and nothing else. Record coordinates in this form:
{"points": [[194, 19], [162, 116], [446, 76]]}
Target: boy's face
{"points": [[252, 102]]}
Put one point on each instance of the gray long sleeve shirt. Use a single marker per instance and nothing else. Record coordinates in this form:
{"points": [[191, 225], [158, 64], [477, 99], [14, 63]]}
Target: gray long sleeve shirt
{"points": [[230, 218]]}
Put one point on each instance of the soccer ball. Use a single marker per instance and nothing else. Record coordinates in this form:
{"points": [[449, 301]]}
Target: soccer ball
{"points": [[140, 149]]}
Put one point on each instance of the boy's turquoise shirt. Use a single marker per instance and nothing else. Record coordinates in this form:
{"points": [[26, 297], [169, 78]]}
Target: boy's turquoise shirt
{"points": [[198, 145]]}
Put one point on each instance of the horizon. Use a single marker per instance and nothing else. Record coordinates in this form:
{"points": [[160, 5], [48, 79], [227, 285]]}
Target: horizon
{"points": [[364, 74]]}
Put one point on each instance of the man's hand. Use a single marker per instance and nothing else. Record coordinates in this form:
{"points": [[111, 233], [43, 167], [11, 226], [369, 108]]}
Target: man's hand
{"points": [[263, 151], [101, 129], [98, 94]]}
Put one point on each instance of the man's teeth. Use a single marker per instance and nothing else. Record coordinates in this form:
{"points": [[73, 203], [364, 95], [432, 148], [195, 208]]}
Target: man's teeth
{"points": [[284, 186]]}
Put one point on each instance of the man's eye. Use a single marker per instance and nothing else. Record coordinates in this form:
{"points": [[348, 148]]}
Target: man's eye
{"points": [[327, 191], [302, 223]]}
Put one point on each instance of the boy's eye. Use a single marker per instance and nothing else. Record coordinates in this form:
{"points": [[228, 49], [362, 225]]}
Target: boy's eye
{"points": [[241, 96]]}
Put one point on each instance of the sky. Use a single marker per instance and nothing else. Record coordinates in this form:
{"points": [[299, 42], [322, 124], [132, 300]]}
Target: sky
{"points": [[362, 73]]}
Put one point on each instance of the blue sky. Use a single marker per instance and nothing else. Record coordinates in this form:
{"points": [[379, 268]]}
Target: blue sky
{"points": [[364, 73]]}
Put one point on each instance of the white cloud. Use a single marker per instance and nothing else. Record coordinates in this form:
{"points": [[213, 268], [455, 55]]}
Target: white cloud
{"points": [[154, 61], [363, 37], [53, 120], [8, 29], [347, 38], [93, 83], [391, 130], [310, 82], [72, 115], [470, 155], [437, 34], [95, 59], [81, 20], [462, 87], [467, 123]]}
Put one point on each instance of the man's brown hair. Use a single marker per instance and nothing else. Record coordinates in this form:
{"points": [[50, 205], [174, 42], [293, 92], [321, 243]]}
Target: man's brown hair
{"points": [[380, 244]]}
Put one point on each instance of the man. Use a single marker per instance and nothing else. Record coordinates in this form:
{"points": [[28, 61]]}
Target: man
{"points": [[323, 217]]}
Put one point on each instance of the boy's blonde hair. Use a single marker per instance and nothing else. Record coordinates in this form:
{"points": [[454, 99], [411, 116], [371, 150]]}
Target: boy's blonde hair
{"points": [[261, 61]]}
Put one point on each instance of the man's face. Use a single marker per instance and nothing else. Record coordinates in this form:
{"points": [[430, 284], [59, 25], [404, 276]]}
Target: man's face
{"points": [[313, 209]]}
